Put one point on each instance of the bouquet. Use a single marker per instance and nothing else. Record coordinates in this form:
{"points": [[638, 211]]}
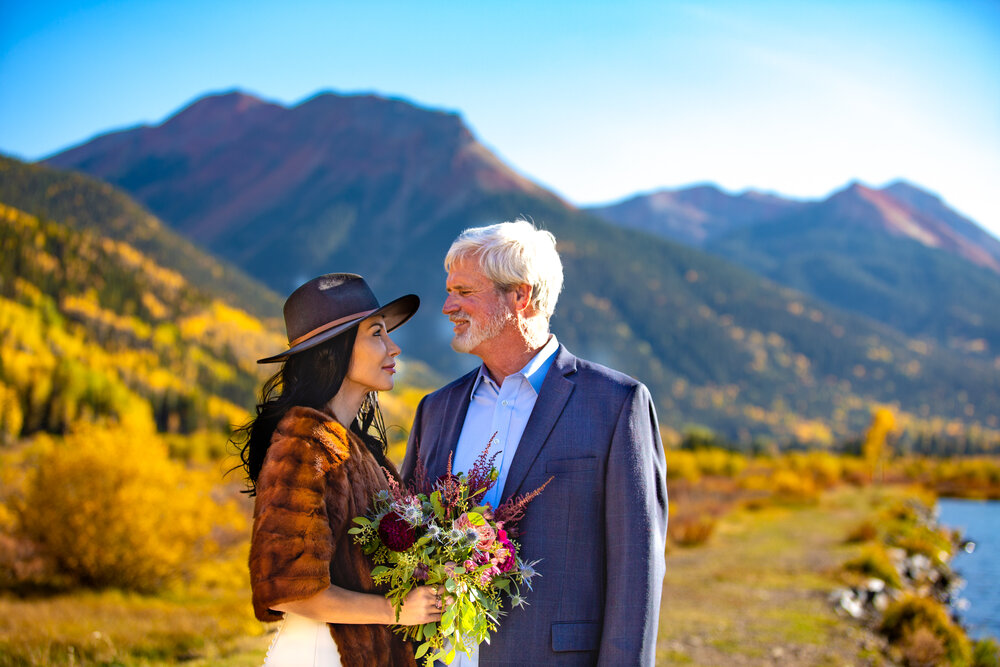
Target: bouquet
{"points": [[443, 533]]}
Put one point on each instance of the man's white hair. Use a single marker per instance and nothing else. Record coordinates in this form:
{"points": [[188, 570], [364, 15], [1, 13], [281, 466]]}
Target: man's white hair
{"points": [[512, 253]]}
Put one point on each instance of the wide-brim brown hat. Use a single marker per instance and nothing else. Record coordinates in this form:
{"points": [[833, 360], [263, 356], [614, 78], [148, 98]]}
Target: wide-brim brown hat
{"points": [[328, 305]]}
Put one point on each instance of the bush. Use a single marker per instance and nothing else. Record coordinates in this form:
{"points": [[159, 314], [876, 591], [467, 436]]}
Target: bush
{"points": [[866, 531], [110, 509], [910, 615], [691, 531], [875, 562], [986, 653]]}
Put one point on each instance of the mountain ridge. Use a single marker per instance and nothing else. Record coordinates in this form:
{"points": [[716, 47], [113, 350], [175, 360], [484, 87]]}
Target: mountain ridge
{"points": [[384, 193]]}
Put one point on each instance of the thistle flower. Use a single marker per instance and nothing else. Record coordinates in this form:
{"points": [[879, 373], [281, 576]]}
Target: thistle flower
{"points": [[517, 600], [413, 516], [434, 532]]}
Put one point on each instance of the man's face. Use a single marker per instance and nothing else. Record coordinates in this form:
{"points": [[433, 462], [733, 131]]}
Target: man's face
{"points": [[478, 311]]}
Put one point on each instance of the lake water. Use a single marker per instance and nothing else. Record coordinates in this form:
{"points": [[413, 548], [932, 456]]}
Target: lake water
{"points": [[980, 522]]}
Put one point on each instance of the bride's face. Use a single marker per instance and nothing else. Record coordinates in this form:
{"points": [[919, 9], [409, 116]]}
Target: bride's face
{"points": [[373, 361]]}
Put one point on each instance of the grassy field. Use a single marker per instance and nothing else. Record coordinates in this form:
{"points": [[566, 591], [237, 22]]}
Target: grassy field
{"points": [[754, 594]]}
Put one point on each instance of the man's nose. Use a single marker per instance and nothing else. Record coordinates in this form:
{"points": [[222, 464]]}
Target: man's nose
{"points": [[449, 306]]}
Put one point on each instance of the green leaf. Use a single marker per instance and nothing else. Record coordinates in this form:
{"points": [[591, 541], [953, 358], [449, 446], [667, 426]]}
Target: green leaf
{"points": [[436, 504], [429, 630], [449, 656], [355, 531], [379, 571], [501, 583], [449, 585], [476, 519], [421, 650], [362, 520]]}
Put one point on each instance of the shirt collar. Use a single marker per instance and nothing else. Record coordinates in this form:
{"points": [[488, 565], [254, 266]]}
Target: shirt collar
{"points": [[534, 371]]}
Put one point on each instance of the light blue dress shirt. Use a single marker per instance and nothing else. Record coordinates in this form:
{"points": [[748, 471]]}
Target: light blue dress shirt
{"points": [[503, 410]]}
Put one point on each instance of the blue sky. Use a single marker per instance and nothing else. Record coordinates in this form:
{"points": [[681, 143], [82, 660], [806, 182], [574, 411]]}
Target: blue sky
{"points": [[596, 100]]}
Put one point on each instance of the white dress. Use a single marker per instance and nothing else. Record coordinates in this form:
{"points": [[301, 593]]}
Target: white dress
{"points": [[302, 642]]}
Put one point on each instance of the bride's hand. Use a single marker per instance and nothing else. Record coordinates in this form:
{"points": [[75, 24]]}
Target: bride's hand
{"points": [[423, 604]]}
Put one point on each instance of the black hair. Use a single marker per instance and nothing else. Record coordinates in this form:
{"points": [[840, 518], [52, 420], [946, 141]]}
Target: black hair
{"points": [[308, 379]]}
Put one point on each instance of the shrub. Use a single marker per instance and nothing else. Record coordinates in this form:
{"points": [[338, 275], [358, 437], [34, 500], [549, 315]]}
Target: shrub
{"points": [[110, 509], [682, 465], [986, 653], [793, 487], [905, 617], [875, 562], [691, 531], [922, 648], [866, 531]]}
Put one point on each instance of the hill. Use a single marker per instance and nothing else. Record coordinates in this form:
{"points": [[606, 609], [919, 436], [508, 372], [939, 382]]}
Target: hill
{"points": [[898, 255], [92, 329], [85, 204], [381, 187], [863, 250]]}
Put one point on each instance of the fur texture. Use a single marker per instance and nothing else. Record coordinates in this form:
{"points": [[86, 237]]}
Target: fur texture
{"points": [[316, 477]]}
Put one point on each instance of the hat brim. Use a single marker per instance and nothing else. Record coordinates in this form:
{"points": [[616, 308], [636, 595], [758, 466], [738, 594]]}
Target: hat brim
{"points": [[396, 313]]}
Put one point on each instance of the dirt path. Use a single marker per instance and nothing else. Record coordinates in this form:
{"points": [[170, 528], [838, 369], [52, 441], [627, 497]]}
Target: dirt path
{"points": [[756, 594]]}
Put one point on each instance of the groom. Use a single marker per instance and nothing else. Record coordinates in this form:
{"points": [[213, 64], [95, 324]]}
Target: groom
{"points": [[599, 527]]}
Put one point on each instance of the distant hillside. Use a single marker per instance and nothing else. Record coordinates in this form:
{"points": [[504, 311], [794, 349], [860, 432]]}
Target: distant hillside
{"points": [[91, 328], [382, 187], [86, 204], [844, 251], [897, 255]]}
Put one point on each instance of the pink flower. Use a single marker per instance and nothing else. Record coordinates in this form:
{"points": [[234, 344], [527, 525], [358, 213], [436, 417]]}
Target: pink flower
{"points": [[486, 533], [508, 563], [469, 566], [396, 532]]}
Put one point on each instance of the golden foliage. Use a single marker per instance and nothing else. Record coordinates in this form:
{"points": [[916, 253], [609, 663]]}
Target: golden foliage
{"points": [[110, 509]]}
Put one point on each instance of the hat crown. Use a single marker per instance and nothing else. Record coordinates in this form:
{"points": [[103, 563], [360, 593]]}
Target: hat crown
{"points": [[328, 298]]}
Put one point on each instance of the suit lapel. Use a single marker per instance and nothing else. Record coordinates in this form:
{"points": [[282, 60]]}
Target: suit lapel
{"points": [[451, 421], [552, 398]]}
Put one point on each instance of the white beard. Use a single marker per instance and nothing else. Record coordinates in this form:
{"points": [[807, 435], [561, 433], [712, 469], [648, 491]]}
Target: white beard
{"points": [[479, 331]]}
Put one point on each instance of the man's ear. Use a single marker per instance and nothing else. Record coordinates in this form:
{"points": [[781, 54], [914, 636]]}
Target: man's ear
{"points": [[522, 296]]}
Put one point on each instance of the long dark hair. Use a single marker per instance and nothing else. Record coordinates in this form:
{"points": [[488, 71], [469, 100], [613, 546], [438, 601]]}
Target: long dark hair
{"points": [[308, 379]]}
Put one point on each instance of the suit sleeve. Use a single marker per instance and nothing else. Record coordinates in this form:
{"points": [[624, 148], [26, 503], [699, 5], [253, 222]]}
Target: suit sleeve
{"points": [[292, 544], [413, 445], [636, 525]]}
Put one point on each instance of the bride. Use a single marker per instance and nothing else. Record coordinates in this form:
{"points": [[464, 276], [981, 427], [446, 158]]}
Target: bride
{"points": [[312, 466]]}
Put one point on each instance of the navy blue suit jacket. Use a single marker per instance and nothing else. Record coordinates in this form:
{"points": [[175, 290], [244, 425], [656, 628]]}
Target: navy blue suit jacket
{"points": [[599, 528]]}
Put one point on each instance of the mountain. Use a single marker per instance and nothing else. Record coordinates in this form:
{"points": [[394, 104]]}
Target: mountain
{"points": [[695, 215], [702, 214], [898, 254], [871, 252], [382, 187]]}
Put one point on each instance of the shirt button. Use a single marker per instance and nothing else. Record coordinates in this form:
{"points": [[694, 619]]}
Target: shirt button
{"points": [[504, 403]]}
